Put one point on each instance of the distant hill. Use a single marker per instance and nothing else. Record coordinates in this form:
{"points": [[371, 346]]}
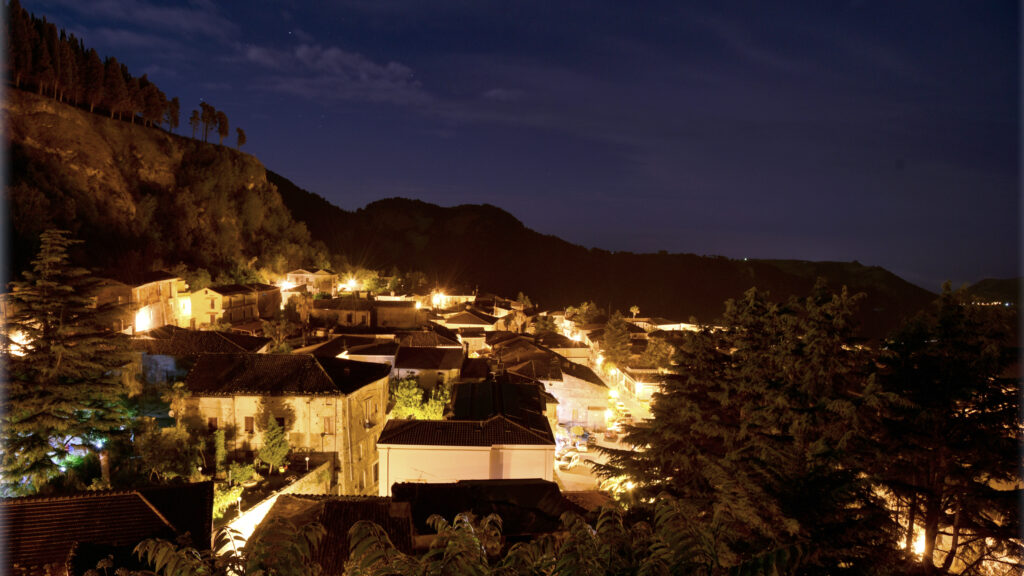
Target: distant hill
{"points": [[488, 248], [996, 290]]}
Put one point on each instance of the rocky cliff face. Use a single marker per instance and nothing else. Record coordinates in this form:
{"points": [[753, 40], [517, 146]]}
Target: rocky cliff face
{"points": [[139, 195]]}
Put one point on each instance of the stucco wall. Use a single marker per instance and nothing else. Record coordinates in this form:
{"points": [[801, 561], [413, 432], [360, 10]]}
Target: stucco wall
{"points": [[440, 464]]}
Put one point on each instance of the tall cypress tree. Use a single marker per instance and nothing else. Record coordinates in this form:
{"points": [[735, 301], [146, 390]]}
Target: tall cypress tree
{"points": [[92, 81], [63, 393]]}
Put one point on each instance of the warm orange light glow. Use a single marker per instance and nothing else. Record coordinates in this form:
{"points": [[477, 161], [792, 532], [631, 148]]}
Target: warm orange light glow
{"points": [[143, 320], [19, 340], [437, 299], [286, 285]]}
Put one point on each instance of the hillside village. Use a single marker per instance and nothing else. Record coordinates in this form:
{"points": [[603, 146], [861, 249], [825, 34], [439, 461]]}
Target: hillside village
{"points": [[532, 393], [189, 406]]}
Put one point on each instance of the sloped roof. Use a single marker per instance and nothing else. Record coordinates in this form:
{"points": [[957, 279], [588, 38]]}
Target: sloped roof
{"points": [[336, 345], [173, 341], [261, 287], [521, 402], [429, 358], [300, 271], [426, 339], [188, 507], [345, 303], [228, 289], [141, 278], [471, 318], [475, 368], [494, 430], [280, 375], [552, 340], [338, 514], [42, 531], [526, 506]]}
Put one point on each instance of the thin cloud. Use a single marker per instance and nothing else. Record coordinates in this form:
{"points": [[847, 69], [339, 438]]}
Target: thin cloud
{"points": [[318, 72], [195, 19]]}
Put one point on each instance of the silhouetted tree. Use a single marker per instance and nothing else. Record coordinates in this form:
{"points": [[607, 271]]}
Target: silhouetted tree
{"points": [[241, 138], [768, 437], [19, 42], [222, 126], [114, 90], [92, 80], [208, 116], [173, 114], [193, 121], [952, 441]]}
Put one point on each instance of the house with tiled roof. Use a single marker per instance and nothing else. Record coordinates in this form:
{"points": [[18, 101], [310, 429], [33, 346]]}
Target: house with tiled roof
{"points": [[432, 366], [355, 347], [337, 515], [347, 311], [328, 405], [438, 451], [69, 534], [471, 319], [151, 299], [426, 339], [224, 303], [169, 352], [497, 430], [319, 282], [582, 394], [398, 314]]}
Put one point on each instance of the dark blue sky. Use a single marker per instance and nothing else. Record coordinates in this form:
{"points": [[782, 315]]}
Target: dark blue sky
{"points": [[875, 131]]}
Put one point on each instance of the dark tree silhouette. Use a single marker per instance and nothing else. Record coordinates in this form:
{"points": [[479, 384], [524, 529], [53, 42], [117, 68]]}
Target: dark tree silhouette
{"points": [[241, 138], [194, 121], [114, 90], [92, 81], [173, 114], [222, 126]]}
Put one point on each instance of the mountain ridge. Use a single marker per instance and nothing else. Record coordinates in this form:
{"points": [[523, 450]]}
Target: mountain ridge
{"points": [[179, 200]]}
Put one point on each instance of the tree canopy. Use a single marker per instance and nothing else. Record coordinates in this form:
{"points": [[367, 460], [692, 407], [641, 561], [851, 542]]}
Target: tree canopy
{"points": [[763, 439], [409, 400], [65, 387]]}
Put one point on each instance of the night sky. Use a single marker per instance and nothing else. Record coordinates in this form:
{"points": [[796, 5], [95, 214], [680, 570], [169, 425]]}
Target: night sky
{"points": [[881, 132]]}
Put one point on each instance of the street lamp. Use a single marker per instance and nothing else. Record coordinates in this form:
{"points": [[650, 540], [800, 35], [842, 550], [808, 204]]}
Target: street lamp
{"points": [[307, 463]]}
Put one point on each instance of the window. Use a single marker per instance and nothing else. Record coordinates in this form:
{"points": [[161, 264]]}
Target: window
{"points": [[368, 409], [328, 425], [376, 473], [280, 422], [359, 453], [348, 318], [250, 424], [211, 423], [440, 377]]}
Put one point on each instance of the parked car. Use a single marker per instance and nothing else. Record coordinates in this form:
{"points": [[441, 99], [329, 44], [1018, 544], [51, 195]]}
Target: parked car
{"points": [[569, 460]]}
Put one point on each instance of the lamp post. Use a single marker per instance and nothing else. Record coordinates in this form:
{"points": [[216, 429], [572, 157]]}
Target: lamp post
{"points": [[238, 503], [307, 463]]}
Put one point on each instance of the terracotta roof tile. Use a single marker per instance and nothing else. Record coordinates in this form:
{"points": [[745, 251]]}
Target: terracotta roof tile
{"points": [[495, 430], [429, 358], [280, 375], [43, 530]]}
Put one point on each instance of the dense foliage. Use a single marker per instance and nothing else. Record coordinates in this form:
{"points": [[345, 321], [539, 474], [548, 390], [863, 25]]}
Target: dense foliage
{"points": [[954, 467], [64, 390], [409, 400], [58, 64]]}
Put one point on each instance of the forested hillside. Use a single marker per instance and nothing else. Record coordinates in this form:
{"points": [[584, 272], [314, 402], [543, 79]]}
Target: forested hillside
{"points": [[140, 197], [485, 247]]}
